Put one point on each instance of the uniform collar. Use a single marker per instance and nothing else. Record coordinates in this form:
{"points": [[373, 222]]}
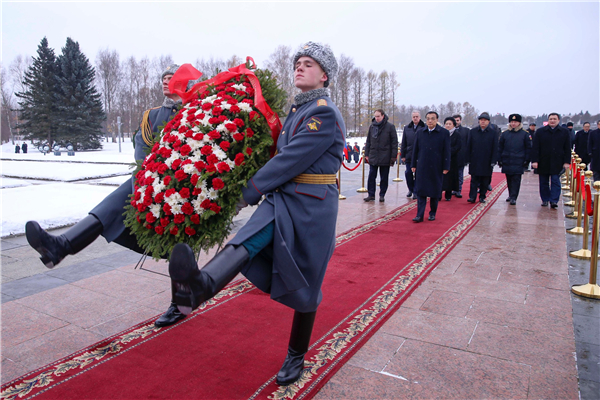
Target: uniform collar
{"points": [[311, 95], [170, 103]]}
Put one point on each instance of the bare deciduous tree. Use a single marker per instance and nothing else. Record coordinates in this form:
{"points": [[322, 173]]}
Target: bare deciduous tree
{"points": [[109, 75]]}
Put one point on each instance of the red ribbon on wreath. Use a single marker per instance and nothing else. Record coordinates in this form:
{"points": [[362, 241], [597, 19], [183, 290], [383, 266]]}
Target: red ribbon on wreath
{"points": [[187, 72], [352, 169]]}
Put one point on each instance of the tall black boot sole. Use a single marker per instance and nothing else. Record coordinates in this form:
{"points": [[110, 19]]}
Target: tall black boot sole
{"points": [[182, 266], [33, 233]]}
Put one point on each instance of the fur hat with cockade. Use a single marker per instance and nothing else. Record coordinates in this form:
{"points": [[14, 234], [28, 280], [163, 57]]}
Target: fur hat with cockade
{"points": [[322, 54]]}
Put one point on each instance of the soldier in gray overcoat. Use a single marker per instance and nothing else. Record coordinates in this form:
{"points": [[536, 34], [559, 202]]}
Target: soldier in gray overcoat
{"points": [[286, 245], [107, 218], [430, 161]]}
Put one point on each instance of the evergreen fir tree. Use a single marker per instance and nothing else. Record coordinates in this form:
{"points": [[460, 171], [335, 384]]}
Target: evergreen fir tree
{"points": [[38, 106], [79, 103]]}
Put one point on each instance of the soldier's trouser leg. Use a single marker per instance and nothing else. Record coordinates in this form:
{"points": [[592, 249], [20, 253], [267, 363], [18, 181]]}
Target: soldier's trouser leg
{"points": [[298, 346], [54, 248]]}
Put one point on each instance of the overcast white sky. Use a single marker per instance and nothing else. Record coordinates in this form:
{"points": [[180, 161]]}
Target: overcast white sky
{"points": [[529, 58]]}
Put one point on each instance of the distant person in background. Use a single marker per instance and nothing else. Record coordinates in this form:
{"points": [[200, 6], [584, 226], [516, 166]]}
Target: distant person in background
{"points": [[482, 155], [381, 152], [551, 153], [24, 147], [571, 133], [531, 130], [450, 184], [356, 152], [594, 151], [515, 151], [17, 148], [463, 132], [581, 144], [107, 218], [406, 149], [347, 151]]}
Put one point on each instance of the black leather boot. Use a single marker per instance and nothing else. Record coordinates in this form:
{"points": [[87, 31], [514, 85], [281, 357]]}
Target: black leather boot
{"points": [[172, 314], [54, 248], [293, 365], [194, 286]]}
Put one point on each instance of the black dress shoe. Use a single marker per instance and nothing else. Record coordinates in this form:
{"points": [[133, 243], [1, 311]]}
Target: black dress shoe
{"points": [[409, 194], [381, 199], [544, 204], [513, 202], [414, 196], [447, 199], [471, 200], [418, 219], [171, 316], [458, 195], [508, 199], [482, 201], [431, 218], [553, 205], [369, 198]]}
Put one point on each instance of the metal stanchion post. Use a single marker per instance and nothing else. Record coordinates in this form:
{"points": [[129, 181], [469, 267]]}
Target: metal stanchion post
{"points": [[363, 189], [584, 253], [341, 196], [578, 230], [397, 178], [571, 193], [574, 194], [591, 289]]}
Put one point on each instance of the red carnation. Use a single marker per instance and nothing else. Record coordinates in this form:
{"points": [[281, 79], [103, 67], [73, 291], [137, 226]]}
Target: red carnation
{"points": [[195, 219], [235, 109], [194, 179], [150, 218], [155, 147], [196, 191], [170, 192], [181, 130], [222, 118], [185, 150], [239, 159], [206, 106], [249, 132], [148, 226], [184, 193], [164, 152], [189, 134], [190, 117], [200, 165], [198, 136], [174, 230], [206, 150], [175, 164], [159, 230], [167, 180], [162, 168], [214, 207], [187, 208], [211, 168], [239, 122], [167, 209], [229, 89], [240, 92], [248, 150], [225, 145], [217, 111], [179, 218], [137, 196], [177, 145], [190, 231], [205, 204], [217, 184], [159, 197], [214, 135], [253, 115], [238, 137], [231, 127], [201, 116], [248, 101], [213, 120], [250, 91], [212, 159], [223, 167], [180, 175], [164, 221]]}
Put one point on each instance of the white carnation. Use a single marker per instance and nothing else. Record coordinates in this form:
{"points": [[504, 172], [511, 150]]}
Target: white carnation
{"points": [[155, 210]]}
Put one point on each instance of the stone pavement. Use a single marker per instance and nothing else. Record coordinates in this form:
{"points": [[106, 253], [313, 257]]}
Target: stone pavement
{"points": [[494, 320]]}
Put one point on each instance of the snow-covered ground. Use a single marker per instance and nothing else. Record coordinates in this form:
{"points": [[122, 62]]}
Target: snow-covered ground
{"points": [[54, 204]]}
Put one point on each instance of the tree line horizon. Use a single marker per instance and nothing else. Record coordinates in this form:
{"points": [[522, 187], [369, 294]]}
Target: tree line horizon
{"points": [[127, 87]]}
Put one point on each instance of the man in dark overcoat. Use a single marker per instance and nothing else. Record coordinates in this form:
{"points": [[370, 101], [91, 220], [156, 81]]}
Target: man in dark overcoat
{"points": [[286, 245], [550, 155], [463, 133], [381, 152], [107, 218], [594, 151], [450, 184], [482, 155], [24, 147], [431, 160], [515, 150], [406, 149], [581, 144]]}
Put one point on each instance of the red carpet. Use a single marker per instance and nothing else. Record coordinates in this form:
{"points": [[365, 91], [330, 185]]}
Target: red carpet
{"points": [[234, 346]]}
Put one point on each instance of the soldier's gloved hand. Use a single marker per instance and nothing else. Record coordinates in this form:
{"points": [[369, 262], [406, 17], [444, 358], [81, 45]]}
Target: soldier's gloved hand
{"points": [[392, 162], [240, 204]]}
